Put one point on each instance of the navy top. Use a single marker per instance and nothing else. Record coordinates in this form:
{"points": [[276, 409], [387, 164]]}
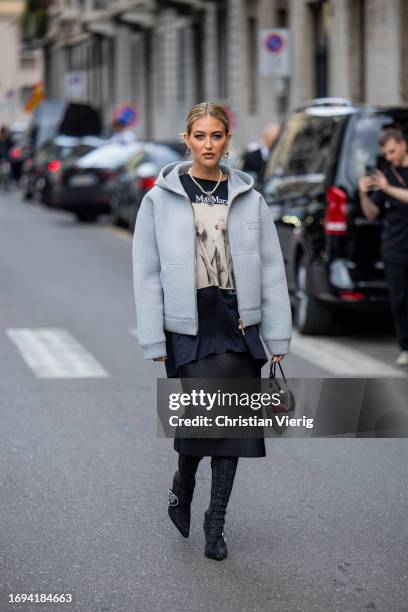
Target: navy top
{"points": [[217, 307], [394, 239]]}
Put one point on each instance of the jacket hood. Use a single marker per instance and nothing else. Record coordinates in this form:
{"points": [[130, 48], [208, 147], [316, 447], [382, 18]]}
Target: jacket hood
{"points": [[169, 178]]}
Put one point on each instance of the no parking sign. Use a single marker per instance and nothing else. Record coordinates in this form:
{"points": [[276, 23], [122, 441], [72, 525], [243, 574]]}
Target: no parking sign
{"points": [[274, 52]]}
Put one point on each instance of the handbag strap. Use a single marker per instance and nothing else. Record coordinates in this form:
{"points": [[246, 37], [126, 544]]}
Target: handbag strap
{"points": [[397, 175], [272, 371]]}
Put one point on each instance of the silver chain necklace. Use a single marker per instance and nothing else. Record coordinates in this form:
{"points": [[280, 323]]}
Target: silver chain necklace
{"points": [[209, 194]]}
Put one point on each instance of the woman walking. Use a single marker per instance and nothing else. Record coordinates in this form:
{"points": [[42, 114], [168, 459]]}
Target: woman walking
{"points": [[209, 279]]}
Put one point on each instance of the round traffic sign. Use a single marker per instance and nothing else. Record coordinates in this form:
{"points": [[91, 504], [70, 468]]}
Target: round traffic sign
{"points": [[127, 114], [274, 43]]}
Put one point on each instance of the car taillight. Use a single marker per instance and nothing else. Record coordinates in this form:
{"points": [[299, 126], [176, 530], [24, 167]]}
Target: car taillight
{"points": [[54, 165], [16, 153], [351, 296], [335, 221], [146, 183]]}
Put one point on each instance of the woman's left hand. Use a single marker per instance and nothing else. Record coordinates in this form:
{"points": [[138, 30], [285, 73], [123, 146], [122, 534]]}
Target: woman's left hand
{"points": [[277, 358]]}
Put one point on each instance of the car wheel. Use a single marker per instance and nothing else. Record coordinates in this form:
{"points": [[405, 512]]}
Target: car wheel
{"points": [[86, 217], [45, 197], [312, 316]]}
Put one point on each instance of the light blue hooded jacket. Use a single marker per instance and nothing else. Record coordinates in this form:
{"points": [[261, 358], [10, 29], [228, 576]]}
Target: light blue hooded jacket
{"points": [[164, 263]]}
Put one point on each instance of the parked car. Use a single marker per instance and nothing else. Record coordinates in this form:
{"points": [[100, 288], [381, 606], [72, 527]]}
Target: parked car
{"points": [[54, 117], [86, 187], [50, 119], [138, 176], [331, 250], [42, 172]]}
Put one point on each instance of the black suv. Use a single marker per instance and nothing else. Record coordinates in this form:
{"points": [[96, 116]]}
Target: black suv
{"points": [[331, 250]]}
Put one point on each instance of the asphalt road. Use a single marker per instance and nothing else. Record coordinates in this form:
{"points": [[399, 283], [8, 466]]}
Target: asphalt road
{"points": [[317, 525]]}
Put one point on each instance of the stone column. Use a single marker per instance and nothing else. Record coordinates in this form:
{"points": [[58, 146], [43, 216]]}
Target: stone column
{"points": [[302, 78], [267, 92], [122, 64], [165, 75], [383, 43], [236, 86], [340, 70]]}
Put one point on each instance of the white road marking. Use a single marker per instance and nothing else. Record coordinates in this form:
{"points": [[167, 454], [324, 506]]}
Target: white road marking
{"points": [[340, 359], [55, 353]]}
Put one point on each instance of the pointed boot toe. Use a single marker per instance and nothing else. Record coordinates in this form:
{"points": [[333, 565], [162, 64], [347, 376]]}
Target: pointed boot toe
{"points": [[179, 506], [179, 515], [216, 549]]}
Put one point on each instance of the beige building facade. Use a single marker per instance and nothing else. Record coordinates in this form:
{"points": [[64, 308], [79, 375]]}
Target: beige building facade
{"points": [[20, 67], [164, 56]]}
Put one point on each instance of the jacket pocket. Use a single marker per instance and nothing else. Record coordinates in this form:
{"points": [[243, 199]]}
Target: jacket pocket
{"points": [[248, 277], [177, 281]]}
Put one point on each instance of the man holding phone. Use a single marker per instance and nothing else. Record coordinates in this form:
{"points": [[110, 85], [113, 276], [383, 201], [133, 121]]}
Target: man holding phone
{"points": [[386, 195]]}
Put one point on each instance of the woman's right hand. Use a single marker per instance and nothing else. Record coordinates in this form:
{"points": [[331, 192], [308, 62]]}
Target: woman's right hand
{"points": [[159, 358], [277, 358]]}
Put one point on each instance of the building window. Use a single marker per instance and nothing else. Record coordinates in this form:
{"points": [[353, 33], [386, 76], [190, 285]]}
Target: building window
{"points": [[320, 25], [198, 37]]}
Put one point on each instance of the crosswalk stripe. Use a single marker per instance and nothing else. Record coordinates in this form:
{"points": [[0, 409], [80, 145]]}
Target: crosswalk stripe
{"points": [[55, 353], [340, 359]]}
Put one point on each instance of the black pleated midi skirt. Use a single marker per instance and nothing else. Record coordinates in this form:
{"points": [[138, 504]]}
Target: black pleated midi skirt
{"points": [[224, 365]]}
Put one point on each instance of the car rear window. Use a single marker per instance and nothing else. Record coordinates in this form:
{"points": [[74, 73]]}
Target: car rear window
{"points": [[304, 146], [111, 155], [361, 149]]}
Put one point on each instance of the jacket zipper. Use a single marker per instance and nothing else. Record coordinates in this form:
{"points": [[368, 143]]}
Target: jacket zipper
{"points": [[241, 323], [195, 265]]}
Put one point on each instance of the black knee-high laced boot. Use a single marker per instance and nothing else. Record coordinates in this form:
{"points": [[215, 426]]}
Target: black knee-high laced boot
{"points": [[223, 474], [181, 493]]}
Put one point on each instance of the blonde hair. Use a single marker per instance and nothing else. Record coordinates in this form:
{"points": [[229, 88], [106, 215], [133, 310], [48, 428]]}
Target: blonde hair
{"points": [[207, 109]]}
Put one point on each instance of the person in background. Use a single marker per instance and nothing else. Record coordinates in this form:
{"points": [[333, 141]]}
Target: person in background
{"points": [[5, 142], [385, 195], [255, 158]]}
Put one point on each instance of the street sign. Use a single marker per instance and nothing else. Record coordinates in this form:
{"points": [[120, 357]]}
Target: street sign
{"points": [[35, 99], [75, 85], [127, 114], [273, 52]]}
